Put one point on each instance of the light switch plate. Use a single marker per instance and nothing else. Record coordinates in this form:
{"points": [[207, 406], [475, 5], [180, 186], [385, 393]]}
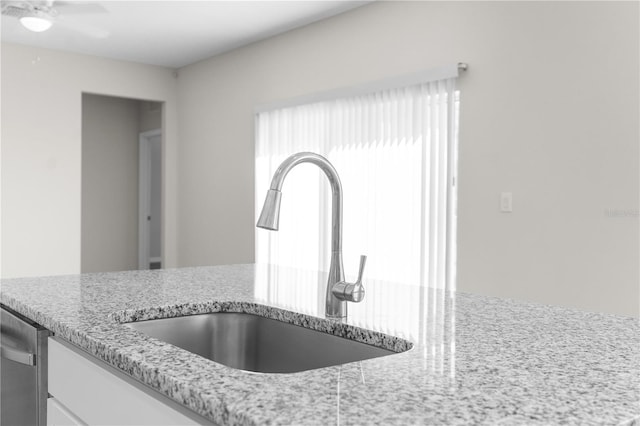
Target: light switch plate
{"points": [[506, 202]]}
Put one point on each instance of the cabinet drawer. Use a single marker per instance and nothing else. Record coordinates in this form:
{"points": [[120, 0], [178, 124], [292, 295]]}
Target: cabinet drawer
{"points": [[96, 393]]}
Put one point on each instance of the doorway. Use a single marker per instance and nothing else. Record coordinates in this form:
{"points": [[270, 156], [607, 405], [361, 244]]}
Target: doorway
{"points": [[111, 132]]}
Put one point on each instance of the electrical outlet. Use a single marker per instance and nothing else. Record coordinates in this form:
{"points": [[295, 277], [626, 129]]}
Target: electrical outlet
{"points": [[506, 202]]}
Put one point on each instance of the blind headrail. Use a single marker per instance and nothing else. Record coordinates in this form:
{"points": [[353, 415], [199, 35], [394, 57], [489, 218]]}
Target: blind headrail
{"points": [[420, 77]]}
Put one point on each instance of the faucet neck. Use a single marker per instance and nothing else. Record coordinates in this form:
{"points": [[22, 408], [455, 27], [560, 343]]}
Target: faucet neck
{"points": [[336, 191]]}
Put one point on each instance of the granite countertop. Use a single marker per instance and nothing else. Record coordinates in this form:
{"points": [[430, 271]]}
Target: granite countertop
{"points": [[475, 360]]}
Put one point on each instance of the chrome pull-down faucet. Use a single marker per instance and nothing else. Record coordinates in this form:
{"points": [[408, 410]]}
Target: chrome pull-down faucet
{"points": [[338, 291]]}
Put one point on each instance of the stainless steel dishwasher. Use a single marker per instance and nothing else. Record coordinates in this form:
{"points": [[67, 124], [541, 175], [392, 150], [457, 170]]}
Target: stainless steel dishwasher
{"points": [[23, 370]]}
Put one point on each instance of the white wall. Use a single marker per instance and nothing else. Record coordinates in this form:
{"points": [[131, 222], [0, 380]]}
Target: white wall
{"points": [[41, 151], [549, 112], [110, 163]]}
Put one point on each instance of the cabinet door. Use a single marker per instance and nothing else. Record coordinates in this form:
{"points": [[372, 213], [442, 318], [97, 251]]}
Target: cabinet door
{"points": [[99, 394], [59, 415]]}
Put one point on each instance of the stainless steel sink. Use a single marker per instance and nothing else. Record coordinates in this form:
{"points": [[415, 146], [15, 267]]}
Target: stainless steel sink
{"points": [[254, 343]]}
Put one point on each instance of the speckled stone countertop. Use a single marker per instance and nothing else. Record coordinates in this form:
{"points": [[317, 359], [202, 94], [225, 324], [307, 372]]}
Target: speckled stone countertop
{"points": [[475, 360]]}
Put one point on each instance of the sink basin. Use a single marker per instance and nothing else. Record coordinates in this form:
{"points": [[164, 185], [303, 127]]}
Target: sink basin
{"points": [[255, 343]]}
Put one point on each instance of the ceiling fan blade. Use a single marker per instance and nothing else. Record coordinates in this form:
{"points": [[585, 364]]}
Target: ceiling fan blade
{"points": [[78, 8]]}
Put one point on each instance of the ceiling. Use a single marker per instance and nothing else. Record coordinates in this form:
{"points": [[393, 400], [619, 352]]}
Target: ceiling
{"points": [[169, 33]]}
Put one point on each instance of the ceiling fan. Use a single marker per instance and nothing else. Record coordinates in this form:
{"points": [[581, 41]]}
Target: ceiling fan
{"points": [[39, 16]]}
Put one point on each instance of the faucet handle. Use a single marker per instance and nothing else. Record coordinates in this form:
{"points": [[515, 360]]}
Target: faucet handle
{"points": [[351, 292], [363, 262]]}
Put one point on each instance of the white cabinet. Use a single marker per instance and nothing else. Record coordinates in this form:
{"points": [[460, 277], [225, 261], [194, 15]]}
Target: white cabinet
{"points": [[59, 415], [85, 390]]}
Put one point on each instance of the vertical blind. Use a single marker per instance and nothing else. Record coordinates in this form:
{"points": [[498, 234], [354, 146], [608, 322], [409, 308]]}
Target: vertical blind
{"points": [[395, 152]]}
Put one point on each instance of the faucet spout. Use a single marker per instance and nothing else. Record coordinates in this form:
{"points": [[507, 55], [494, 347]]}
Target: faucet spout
{"points": [[270, 215], [269, 219]]}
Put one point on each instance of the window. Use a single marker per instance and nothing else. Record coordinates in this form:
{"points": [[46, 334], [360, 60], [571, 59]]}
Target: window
{"points": [[395, 152]]}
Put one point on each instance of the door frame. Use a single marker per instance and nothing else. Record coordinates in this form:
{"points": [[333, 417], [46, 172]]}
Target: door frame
{"points": [[144, 196]]}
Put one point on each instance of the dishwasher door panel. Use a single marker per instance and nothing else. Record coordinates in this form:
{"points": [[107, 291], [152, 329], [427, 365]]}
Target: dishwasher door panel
{"points": [[23, 368]]}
